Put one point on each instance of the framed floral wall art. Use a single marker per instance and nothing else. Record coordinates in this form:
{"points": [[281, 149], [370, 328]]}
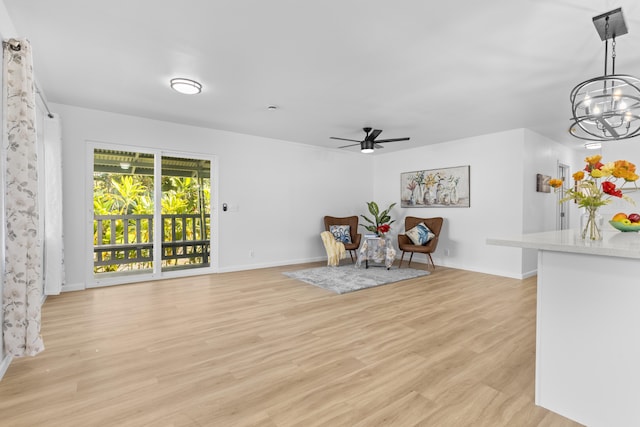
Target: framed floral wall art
{"points": [[435, 188]]}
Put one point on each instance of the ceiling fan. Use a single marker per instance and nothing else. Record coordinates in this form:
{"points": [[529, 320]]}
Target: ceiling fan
{"points": [[369, 142]]}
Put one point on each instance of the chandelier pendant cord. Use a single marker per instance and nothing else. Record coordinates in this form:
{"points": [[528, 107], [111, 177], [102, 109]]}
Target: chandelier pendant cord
{"points": [[613, 55], [606, 46]]}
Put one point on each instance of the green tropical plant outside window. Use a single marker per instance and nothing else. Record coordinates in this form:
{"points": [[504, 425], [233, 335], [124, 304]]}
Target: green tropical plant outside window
{"points": [[118, 195]]}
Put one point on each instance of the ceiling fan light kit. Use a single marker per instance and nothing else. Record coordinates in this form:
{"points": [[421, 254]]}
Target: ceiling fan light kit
{"points": [[607, 108], [366, 147], [369, 143]]}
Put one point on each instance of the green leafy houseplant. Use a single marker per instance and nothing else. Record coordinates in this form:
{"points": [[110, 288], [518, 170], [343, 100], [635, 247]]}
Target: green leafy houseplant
{"points": [[381, 222]]}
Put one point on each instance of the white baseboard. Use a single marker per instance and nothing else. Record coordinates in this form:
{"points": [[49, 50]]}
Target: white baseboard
{"points": [[70, 287], [81, 286], [4, 365], [269, 264], [502, 273]]}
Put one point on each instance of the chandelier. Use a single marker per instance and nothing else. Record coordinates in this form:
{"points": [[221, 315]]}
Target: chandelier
{"points": [[607, 108]]}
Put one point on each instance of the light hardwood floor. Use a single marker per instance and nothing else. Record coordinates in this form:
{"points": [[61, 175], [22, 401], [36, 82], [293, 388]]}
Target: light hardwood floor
{"points": [[454, 348]]}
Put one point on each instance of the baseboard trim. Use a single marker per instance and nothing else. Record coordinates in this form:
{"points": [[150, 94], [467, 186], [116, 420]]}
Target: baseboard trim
{"points": [[4, 365], [230, 269], [510, 274], [269, 264], [73, 287]]}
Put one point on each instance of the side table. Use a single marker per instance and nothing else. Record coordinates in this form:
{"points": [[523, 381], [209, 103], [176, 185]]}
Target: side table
{"points": [[379, 250]]}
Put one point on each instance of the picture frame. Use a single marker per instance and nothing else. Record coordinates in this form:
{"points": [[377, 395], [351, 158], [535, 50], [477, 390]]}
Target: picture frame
{"points": [[542, 183], [436, 188]]}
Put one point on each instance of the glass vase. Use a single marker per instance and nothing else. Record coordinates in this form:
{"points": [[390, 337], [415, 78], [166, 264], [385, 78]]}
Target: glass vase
{"points": [[591, 225]]}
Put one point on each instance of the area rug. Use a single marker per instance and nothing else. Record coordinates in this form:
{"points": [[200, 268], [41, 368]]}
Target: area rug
{"points": [[348, 278]]}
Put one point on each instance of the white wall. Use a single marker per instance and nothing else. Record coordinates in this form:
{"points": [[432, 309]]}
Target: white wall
{"points": [[541, 210], [282, 189], [503, 196]]}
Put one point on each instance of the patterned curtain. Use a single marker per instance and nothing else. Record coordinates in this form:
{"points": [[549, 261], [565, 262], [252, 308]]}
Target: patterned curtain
{"points": [[22, 291]]}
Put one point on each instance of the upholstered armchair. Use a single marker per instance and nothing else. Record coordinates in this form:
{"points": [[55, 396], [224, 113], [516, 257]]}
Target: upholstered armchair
{"points": [[405, 244], [352, 222]]}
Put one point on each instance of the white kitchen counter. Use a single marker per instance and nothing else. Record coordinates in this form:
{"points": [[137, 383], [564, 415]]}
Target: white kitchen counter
{"points": [[587, 326], [614, 243]]}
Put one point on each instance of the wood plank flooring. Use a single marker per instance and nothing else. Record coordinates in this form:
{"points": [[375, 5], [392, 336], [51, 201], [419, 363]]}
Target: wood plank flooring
{"points": [[256, 348]]}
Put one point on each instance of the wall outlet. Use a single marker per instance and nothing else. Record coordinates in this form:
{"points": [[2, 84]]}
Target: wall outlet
{"points": [[447, 252], [251, 253]]}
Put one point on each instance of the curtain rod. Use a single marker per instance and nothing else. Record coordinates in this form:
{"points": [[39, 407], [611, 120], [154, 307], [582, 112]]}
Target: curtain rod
{"points": [[15, 46], [44, 101]]}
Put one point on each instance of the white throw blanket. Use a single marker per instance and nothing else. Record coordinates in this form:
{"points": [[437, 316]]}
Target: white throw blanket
{"points": [[335, 249]]}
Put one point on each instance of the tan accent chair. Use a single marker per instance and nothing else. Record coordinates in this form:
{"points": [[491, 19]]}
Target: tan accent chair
{"points": [[352, 222], [406, 245]]}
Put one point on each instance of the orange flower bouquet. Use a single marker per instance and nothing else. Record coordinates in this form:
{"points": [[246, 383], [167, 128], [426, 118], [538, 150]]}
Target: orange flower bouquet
{"points": [[595, 186]]}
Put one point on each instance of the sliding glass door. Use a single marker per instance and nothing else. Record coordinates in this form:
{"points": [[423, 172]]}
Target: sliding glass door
{"points": [[151, 214], [185, 213], [123, 210]]}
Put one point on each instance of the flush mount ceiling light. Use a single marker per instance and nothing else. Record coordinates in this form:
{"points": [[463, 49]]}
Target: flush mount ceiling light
{"points": [[607, 108], [593, 145], [186, 86]]}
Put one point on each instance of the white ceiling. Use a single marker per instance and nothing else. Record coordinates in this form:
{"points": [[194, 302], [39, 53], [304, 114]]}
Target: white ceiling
{"points": [[433, 71]]}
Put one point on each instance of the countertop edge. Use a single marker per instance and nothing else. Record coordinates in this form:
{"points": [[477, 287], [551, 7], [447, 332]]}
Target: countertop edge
{"points": [[622, 245]]}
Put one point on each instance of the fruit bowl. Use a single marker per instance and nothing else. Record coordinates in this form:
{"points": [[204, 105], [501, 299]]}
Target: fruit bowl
{"points": [[624, 227]]}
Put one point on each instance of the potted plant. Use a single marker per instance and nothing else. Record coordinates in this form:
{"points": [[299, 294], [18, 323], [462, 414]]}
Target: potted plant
{"points": [[381, 222]]}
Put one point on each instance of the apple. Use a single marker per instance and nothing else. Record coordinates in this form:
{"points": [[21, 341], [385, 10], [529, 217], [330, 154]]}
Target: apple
{"points": [[634, 217], [626, 221]]}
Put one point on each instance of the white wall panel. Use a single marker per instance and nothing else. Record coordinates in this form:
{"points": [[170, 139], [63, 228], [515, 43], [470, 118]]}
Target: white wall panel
{"points": [[503, 199], [278, 191]]}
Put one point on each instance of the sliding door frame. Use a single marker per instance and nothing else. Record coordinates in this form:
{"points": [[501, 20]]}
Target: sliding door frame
{"points": [[93, 281]]}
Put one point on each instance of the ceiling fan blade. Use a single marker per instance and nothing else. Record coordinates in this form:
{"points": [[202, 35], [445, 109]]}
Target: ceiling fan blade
{"points": [[376, 145], [344, 139], [373, 135], [352, 145], [393, 140]]}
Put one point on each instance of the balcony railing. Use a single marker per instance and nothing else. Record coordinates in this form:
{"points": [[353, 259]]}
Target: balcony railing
{"points": [[125, 242]]}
